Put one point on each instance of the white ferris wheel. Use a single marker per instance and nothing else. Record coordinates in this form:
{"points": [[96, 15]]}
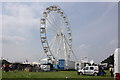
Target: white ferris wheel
{"points": [[55, 34]]}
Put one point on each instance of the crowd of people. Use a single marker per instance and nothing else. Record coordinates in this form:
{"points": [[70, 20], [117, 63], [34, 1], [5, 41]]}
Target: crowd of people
{"points": [[6, 67], [18, 67], [11, 67], [102, 72]]}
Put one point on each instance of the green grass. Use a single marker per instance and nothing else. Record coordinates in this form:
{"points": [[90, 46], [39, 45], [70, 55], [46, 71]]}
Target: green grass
{"points": [[59, 74]]}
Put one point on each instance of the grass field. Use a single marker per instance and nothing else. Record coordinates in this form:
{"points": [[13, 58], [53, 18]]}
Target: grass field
{"points": [[59, 74]]}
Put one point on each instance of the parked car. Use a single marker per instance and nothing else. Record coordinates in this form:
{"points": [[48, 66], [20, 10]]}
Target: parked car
{"points": [[89, 70]]}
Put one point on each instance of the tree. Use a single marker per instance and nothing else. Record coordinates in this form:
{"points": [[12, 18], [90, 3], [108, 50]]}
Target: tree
{"points": [[109, 60]]}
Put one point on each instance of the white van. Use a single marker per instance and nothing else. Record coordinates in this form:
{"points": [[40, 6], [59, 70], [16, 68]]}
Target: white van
{"points": [[117, 64], [89, 70]]}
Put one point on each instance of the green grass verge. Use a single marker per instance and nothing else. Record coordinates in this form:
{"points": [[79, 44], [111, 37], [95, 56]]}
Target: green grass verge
{"points": [[59, 74]]}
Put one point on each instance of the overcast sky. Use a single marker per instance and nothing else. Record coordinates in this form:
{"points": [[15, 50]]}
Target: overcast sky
{"points": [[94, 29]]}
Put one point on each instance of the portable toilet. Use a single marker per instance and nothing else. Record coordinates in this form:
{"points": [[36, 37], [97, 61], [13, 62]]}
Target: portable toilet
{"points": [[61, 64]]}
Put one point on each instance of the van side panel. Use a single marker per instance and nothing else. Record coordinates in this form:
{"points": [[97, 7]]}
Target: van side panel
{"points": [[117, 61]]}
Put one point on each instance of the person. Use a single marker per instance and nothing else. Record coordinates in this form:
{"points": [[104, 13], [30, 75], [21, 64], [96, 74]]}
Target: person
{"points": [[77, 66], [6, 67], [103, 72], [56, 67], [100, 69], [111, 71]]}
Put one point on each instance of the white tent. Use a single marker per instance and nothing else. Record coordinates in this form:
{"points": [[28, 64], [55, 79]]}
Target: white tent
{"points": [[45, 59], [35, 63]]}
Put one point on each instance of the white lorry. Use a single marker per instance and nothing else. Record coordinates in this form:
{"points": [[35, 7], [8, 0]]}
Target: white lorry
{"points": [[117, 64]]}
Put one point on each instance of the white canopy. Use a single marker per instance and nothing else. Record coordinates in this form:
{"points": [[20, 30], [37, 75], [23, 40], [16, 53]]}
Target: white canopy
{"points": [[45, 59]]}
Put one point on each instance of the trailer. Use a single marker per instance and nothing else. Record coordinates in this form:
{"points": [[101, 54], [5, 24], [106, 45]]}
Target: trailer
{"points": [[117, 64], [70, 65], [66, 65]]}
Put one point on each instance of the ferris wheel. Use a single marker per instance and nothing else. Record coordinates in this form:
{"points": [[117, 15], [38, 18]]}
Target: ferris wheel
{"points": [[55, 34]]}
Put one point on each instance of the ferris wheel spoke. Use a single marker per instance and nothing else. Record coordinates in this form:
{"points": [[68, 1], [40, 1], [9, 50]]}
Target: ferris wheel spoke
{"points": [[62, 49], [60, 46], [51, 30], [55, 43], [55, 21], [53, 25], [52, 42], [59, 41], [58, 19], [56, 46]]}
